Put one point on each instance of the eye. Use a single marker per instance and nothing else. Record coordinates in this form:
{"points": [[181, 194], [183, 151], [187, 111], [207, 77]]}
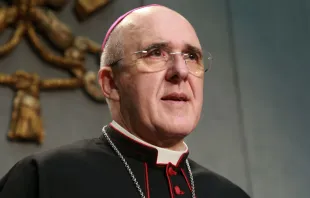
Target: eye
{"points": [[193, 56], [157, 53]]}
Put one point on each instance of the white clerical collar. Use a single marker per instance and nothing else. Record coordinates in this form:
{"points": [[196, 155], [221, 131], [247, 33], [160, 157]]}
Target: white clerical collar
{"points": [[164, 155]]}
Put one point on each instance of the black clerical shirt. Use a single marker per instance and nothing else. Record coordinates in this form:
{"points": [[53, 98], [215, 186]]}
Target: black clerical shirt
{"points": [[91, 169]]}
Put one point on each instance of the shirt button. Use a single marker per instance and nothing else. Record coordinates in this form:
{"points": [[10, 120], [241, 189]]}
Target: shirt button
{"points": [[171, 171], [178, 191]]}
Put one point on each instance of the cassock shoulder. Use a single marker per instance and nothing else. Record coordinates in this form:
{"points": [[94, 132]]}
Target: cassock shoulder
{"points": [[21, 181], [70, 159], [78, 150], [27, 175], [219, 185]]}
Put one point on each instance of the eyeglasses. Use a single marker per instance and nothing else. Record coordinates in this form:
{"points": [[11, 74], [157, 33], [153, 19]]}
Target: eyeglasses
{"points": [[158, 59]]}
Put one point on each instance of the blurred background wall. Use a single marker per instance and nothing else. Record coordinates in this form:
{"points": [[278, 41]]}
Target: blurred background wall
{"points": [[256, 113]]}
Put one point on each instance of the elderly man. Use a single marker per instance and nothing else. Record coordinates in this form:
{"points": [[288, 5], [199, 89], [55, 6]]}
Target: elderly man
{"points": [[152, 73]]}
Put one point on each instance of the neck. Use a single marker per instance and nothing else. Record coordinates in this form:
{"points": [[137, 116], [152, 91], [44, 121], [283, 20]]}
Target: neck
{"points": [[175, 144], [171, 143]]}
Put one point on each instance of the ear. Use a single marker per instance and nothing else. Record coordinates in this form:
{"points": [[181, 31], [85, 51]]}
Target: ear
{"points": [[107, 82]]}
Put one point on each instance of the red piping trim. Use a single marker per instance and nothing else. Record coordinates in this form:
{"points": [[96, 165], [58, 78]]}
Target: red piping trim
{"points": [[180, 159], [147, 187], [135, 141], [169, 181], [178, 163], [131, 138], [184, 175]]}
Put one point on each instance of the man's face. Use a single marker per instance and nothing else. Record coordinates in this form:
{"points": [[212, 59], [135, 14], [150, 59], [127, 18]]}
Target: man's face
{"points": [[166, 102]]}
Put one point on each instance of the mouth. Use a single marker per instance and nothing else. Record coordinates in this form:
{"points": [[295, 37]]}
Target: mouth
{"points": [[175, 97]]}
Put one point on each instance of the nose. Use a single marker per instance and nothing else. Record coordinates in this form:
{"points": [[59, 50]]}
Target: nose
{"points": [[177, 70]]}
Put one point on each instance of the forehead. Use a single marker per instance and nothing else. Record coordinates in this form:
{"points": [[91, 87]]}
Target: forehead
{"points": [[154, 25]]}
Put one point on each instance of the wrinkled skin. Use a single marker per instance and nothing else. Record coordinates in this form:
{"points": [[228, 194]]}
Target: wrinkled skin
{"points": [[136, 97]]}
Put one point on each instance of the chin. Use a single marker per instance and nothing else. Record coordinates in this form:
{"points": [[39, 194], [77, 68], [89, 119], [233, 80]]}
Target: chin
{"points": [[178, 127]]}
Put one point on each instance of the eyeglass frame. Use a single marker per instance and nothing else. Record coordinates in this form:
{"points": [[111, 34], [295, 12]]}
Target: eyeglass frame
{"points": [[145, 51]]}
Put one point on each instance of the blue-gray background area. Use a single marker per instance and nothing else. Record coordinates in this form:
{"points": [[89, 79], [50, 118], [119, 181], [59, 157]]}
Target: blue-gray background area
{"points": [[254, 123]]}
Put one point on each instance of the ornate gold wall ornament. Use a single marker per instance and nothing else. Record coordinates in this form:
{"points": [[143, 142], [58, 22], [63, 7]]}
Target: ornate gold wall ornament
{"points": [[25, 15], [84, 8]]}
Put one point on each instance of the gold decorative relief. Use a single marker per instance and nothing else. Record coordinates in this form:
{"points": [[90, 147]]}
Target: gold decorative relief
{"points": [[28, 17]]}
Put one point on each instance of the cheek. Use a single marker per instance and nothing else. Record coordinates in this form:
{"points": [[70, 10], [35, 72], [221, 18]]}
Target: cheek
{"points": [[197, 89], [143, 91], [128, 92], [148, 88]]}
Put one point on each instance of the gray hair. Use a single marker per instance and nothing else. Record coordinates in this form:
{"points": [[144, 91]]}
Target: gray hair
{"points": [[113, 51], [114, 48]]}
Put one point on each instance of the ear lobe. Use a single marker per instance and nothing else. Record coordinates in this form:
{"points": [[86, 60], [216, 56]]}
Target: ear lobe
{"points": [[107, 82]]}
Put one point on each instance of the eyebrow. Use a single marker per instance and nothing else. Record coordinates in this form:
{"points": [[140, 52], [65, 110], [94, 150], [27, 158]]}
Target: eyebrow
{"points": [[156, 45], [188, 47], [195, 49]]}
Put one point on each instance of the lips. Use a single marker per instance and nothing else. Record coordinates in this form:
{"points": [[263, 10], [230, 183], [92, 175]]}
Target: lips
{"points": [[178, 97]]}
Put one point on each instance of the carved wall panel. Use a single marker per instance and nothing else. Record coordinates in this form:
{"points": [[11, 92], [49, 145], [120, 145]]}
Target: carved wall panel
{"points": [[29, 18]]}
